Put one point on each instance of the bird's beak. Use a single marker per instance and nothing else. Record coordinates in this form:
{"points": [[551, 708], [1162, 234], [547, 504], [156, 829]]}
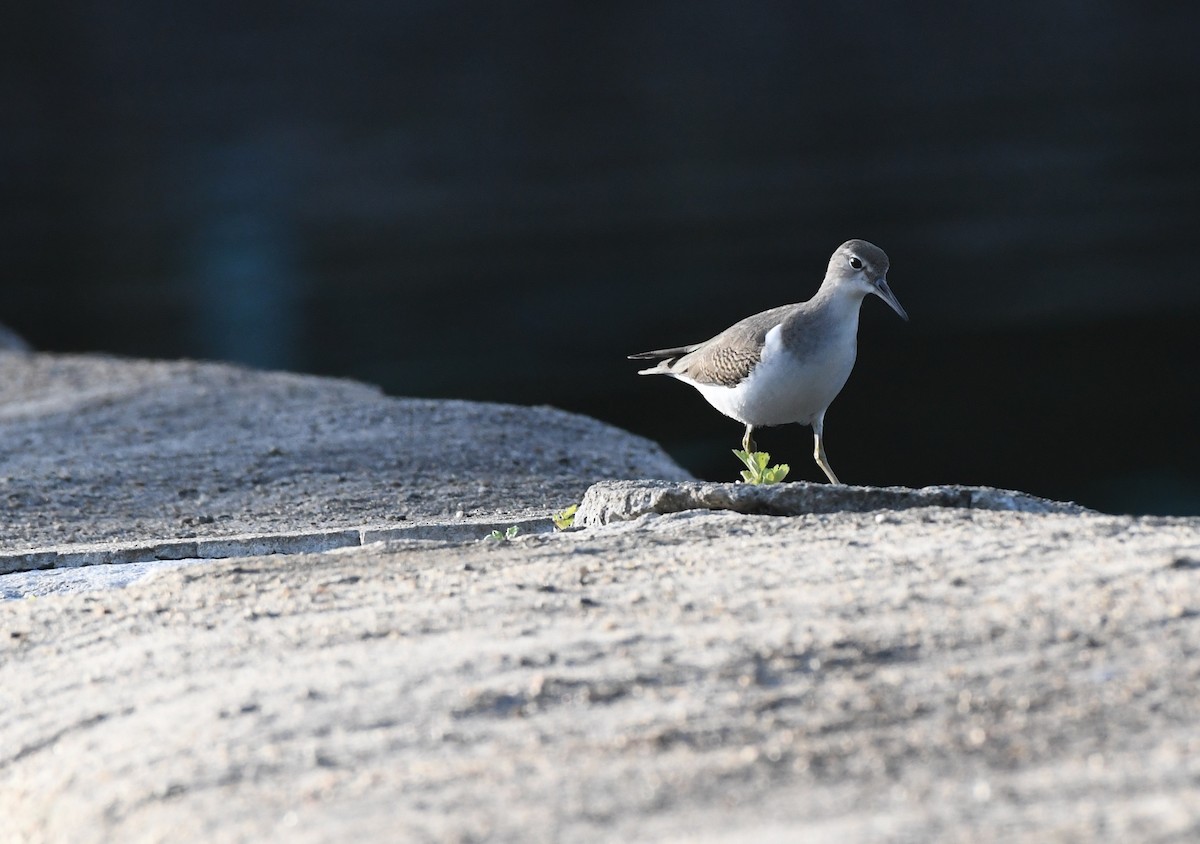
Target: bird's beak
{"points": [[885, 293]]}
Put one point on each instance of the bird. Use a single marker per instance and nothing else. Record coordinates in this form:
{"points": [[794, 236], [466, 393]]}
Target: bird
{"points": [[787, 364]]}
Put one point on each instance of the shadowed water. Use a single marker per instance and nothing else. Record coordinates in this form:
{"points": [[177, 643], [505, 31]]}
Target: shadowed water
{"points": [[501, 201]]}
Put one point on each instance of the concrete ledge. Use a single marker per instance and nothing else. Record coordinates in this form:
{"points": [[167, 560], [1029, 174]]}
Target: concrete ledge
{"points": [[255, 544], [610, 501]]}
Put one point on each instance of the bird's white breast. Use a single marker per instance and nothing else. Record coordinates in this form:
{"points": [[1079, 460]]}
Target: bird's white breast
{"points": [[783, 387]]}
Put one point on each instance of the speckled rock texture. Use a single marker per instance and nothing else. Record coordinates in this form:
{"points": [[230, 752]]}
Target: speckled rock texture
{"points": [[910, 673], [931, 674], [97, 449]]}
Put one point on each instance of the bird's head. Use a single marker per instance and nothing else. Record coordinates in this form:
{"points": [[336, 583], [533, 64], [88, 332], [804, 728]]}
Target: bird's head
{"points": [[862, 267]]}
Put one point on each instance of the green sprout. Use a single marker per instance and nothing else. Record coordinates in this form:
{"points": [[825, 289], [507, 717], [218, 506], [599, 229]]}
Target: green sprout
{"points": [[756, 471], [565, 519], [509, 533]]}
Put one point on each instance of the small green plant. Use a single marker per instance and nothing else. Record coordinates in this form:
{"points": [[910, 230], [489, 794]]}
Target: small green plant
{"points": [[565, 519], [509, 533], [756, 471]]}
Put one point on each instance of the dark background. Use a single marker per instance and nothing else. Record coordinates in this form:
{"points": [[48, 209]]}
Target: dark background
{"points": [[501, 200]]}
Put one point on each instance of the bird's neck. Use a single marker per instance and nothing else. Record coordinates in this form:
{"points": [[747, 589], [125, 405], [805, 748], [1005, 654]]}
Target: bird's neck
{"points": [[840, 302]]}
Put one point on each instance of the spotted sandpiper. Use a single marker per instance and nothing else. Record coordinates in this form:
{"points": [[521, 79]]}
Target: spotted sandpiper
{"points": [[789, 363]]}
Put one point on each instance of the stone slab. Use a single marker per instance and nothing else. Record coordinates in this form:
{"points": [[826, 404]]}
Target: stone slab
{"points": [[97, 449], [609, 501]]}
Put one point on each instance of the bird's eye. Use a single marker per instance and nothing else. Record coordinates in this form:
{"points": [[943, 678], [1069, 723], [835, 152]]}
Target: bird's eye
{"points": [[855, 262]]}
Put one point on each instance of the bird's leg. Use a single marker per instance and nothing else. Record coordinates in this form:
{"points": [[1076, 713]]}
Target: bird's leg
{"points": [[819, 451], [748, 440]]}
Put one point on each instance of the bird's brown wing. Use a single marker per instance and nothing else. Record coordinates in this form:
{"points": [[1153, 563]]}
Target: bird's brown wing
{"points": [[726, 359]]}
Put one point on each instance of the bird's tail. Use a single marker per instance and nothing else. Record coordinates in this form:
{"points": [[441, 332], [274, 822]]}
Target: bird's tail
{"points": [[663, 367], [665, 358]]}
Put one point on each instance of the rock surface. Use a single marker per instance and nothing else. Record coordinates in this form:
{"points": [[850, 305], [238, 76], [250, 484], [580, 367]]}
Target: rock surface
{"points": [[96, 449], [935, 674], [931, 673]]}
